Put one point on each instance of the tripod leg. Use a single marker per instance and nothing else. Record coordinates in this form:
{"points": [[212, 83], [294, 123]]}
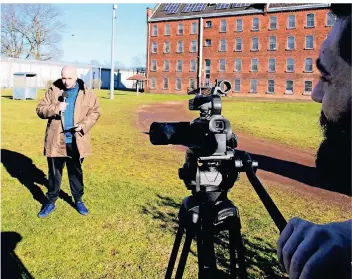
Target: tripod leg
{"points": [[184, 254], [174, 252], [237, 250], [233, 252]]}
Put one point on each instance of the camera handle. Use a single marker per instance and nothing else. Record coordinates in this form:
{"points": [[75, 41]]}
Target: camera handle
{"points": [[270, 206]]}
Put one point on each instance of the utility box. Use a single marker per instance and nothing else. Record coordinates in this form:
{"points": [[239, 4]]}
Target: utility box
{"points": [[24, 86]]}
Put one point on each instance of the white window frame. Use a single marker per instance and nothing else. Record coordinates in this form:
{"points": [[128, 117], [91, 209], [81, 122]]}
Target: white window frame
{"points": [[294, 43], [180, 43], [252, 48], [180, 29], [179, 66], [223, 26], [309, 21], [167, 80], [192, 63], [176, 84], [165, 44], [240, 65], [275, 43], [194, 31], [166, 62], [155, 30], [190, 83], [289, 92], [305, 47], [288, 22], [222, 47], [257, 60], [153, 83], [222, 60], [269, 70], [167, 30], [208, 24], [332, 16], [305, 65], [236, 44], [195, 46], [205, 43], [234, 85], [270, 22], [287, 64], [253, 29], [237, 21], [268, 91], [256, 86], [154, 49], [308, 92], [154, 65]]}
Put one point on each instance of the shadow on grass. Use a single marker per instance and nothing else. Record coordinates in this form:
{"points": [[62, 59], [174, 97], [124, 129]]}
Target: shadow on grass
{"points": [[260, 255], [295, 171], [7, 97], [11, 265], [21, 167], [116, 94]]}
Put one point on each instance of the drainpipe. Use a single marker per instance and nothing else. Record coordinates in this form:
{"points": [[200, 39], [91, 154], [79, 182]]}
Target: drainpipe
{"points": [[200, 54], [149, 14]]}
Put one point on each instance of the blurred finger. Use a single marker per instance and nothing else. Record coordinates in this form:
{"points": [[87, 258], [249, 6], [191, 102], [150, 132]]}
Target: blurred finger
{"points": [[285, 235], [290, 248]]}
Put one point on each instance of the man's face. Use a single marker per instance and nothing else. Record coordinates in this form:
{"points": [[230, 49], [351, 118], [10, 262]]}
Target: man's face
{"points": [[334, 92], [69, 78]]}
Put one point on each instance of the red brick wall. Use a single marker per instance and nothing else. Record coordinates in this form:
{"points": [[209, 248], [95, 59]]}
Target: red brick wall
{"points": [[319, 32]]}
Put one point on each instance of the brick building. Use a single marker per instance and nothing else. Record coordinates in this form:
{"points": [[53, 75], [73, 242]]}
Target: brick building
{"points": [[262, 49]]}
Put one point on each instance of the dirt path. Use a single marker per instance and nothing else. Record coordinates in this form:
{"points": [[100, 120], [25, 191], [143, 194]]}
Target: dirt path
{"points": [[291, 168]]}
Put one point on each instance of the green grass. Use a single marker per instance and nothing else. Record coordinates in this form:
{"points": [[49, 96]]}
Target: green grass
{"points": [[133, 192]]}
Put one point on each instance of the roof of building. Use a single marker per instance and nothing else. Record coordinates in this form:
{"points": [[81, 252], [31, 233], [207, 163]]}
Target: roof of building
{"points": [[175, 11]]}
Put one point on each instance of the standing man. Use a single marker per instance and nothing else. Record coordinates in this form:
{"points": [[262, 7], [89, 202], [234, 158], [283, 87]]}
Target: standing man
{"points": [[307, 250], [72, 110]]}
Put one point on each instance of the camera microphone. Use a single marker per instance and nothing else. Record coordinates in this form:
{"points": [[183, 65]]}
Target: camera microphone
{"points": [[62, 98]]}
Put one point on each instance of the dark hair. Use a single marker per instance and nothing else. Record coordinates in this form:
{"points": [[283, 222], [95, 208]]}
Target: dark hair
{"points": [[344, 11]]}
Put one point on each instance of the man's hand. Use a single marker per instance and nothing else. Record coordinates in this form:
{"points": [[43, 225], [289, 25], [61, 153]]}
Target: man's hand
{"points": [[79, 129], [62, 106], [307, 250]]}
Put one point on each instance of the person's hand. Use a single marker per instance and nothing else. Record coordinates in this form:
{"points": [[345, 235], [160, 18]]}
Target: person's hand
{"points": [[78, 128], [62, 106], [307, 250]]}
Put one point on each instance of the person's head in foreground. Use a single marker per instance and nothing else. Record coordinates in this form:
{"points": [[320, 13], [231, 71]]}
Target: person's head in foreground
{"points": [[334, 91], [69, 76]]}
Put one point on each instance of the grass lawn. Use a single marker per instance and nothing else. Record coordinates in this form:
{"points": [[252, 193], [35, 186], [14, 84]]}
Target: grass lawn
{"points": [[133, 192]]}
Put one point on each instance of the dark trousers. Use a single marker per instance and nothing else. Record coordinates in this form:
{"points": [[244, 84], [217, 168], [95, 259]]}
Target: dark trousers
{"points": [[75, 174]]}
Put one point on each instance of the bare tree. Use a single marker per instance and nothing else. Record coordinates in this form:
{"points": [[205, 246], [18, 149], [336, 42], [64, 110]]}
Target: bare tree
{"points": [[37, 26], [138, 60]]}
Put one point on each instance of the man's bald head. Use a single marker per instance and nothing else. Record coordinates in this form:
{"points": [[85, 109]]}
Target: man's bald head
{"points": [[69, 76]]}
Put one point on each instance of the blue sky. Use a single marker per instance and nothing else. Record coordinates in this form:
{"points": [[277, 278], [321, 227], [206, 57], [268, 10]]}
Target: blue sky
{"points": [[91, 25]]}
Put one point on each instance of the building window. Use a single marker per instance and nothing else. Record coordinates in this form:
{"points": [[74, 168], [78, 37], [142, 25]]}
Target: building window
{"points": [[222, 65], [271, 86], [207, 43], [167, 30], [308, 86], [291, 22], [254, 65], [179, 66], [310, 20], [193, 46], [238, 44], [330, 19], [192, 66], [237, 85], [309, 42], [208, 24], [222, 45], [155, 30], [154, 47], [178, 84], [165, 83], [238, 65], [255, 24], [153, 66], [290, 65], [180, 47], [272, 65], [180, 29], [254, 85], [255, 44], [223, 25], [239, 25], [153, 83], [166, 66], [308, 65], [290, 42], [192, 83], [289, 87], [166, 47], [194, 28], [272, 43], [273, 23]]}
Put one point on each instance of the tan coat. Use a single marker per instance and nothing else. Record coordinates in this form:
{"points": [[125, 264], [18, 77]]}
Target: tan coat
{"points": [[86, 113]]}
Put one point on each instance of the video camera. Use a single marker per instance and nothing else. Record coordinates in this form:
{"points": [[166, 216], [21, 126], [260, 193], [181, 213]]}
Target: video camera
{"points": [[210, 134]]}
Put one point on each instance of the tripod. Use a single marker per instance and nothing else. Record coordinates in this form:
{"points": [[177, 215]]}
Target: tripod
{"points": [[201, 216], [209, 211]]}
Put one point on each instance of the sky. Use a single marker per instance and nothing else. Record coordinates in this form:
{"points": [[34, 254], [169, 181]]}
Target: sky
{"points": [[88, 33]]}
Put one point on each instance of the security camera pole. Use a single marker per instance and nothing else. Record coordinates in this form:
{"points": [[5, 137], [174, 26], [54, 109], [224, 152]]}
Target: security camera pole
{"points": [[112, 74]]}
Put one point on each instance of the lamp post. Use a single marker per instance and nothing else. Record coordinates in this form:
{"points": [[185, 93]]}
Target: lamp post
{"points": [[112, 74]]}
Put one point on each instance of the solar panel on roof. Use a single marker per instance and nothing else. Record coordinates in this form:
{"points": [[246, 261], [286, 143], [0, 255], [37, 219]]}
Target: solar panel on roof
{"points": [[222, 6], [173, 8], [197, 7], [166, 6], [240, 5]]}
